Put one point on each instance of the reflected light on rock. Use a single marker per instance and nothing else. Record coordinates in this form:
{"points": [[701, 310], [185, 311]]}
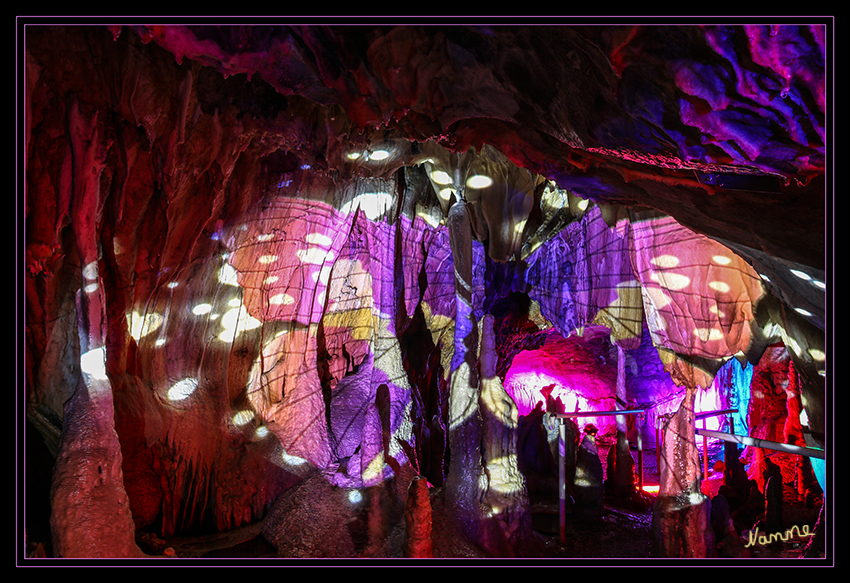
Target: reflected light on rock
{"points": [[479, 181], [281, 300], [674, 281], [141, 327], [202, 309], [292, 460], [441, 177], [181, 389], [801, 274], [227, 275], [242, 418], [93, 363], [665, 261]]}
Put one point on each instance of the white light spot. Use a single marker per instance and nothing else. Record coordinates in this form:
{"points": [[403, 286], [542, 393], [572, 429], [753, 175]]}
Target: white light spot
{"points": [[708, 334], [379, 155], [234, 303], [266, 259], [90, 271], [479, 181], [665, 261], [819, 284], [93, 363], [91, 288], [721, 260], [817, 354], [182, 389], [172, 284], [319, 239], [159, 342], [803, 311], [719, 286], [281, 300], [314, 255], [801, 274], [353, 155], [355, 497], [242, 417], [261, 432], [227, 274], [293, 460], [202, 309], [446, 193], [673, 281], [441, 177], [265, 237], [582, 204]]}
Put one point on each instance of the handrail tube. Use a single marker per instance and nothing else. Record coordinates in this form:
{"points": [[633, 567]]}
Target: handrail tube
{"points": [[714, 413], [598, 413], [755, 442]]}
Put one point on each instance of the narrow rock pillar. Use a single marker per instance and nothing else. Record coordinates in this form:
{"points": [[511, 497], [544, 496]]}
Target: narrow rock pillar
{"points": [[465, 473], [681, 519]]}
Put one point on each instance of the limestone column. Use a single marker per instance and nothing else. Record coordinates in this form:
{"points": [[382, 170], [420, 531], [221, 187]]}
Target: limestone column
{"points": [[90, 510], [681, 519], [465, 473]]}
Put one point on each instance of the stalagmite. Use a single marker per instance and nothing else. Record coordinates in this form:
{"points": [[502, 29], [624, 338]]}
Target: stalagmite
{"points": [[681, 514], [417, 519], [465, 481]]}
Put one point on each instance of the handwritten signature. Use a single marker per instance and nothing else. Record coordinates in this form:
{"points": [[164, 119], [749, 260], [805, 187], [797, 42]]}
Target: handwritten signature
{"points": [[765, 539]]}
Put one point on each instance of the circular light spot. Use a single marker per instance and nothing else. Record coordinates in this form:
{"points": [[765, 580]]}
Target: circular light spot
{"points": [[355, 497], [281, 300], [227, 274], [319, 239], [708, 334], [672, 281], [181, 389], [441, 177], [719, 286], [93, 363], [202, 309], [261, 432], [665, 261], [582, 204], [479, 181], [242, 417], [292, 460], [721, 260], [379, 155]]}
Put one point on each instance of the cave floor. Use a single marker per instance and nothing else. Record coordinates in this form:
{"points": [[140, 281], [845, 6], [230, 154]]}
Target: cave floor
{"points": [[624, 531]]}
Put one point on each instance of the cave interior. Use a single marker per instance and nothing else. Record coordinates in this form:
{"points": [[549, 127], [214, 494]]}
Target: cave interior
{"points": [[307, 290]]}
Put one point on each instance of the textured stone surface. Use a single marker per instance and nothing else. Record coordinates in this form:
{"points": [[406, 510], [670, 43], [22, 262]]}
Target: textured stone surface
{"points": [[267, 258]]}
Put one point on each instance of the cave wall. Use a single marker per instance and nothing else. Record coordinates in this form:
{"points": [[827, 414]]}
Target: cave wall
{"points": [[242, 263]]}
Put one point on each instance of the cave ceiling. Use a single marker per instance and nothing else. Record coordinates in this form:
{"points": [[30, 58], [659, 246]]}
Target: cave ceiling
{"points": [[722, 127]]}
